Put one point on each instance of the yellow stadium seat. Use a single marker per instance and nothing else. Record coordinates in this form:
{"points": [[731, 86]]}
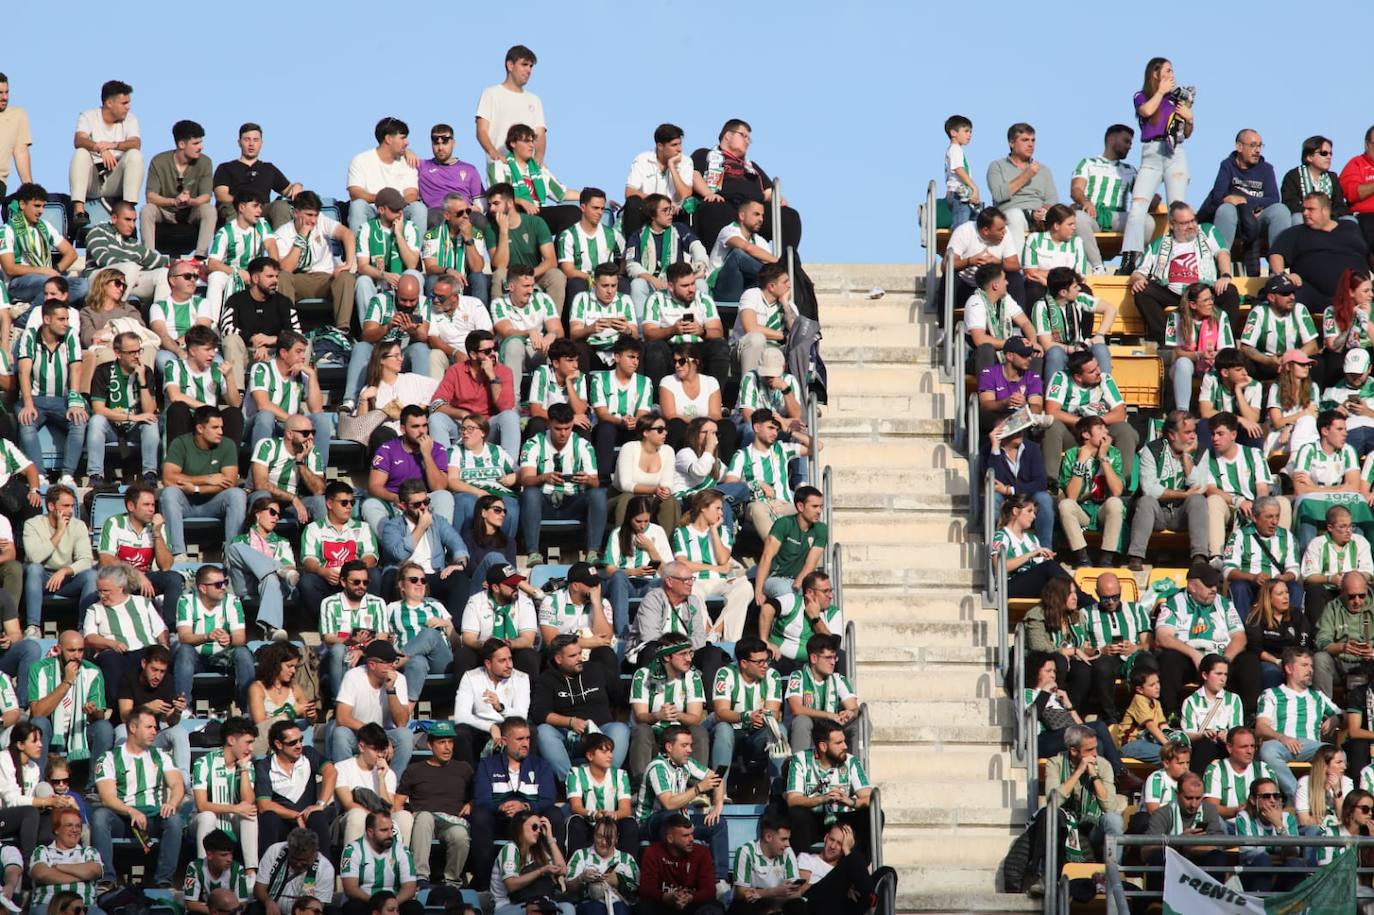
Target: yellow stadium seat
{"points": [[1178, 576], [1139, 376]]}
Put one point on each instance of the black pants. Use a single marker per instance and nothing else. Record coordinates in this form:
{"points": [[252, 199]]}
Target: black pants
{"points": [[658, 359], [580, 834], [1076, 678], [273, 829], [708, 659], [1105, 669], [1356, 753], [1175, 669], [1154, 299], [560, 217], [727, 437], [488, 825], [809, 827], [790, 907], [606, 438], [179, 422], [1205, 752], [20, 826], [1016, 288], [1032, 581], [831, 895], [655, 907]]}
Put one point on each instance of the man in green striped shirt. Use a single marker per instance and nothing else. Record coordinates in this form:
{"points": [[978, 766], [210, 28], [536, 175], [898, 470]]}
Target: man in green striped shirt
{"points": [[745, 694], [378, 861], [49, 362], [817, 692], [826, 785], [223, 790], [236, 243], [681, 314], [140, 789], [1294, 720], [600, 316], [1226, 783], [67, 702], [1234, 476], [1101, 187], [587, 244], [1261, 552], [211, 634], [1278, 324], [558, 471], [619, 397], [290, 470], [1328, 557]]}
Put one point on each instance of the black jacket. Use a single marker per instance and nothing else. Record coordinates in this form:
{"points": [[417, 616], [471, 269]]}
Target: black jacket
{"points": [[583, 695]]}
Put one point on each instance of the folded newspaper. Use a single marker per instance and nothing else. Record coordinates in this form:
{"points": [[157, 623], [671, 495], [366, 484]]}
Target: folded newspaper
{"points": [[1019, 421]]}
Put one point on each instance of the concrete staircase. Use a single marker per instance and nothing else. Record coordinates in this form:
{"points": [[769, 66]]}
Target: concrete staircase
{"points": [[925, 644]]}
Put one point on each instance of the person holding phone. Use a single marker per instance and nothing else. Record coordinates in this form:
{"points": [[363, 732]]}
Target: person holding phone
{"points": [[767, 876], [602, 876], [1345, 635], [675, 783]]}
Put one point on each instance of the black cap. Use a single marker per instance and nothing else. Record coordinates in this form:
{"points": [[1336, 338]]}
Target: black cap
{"points": [[582, 573], [1279, 284], [382, 650], [1018, 346], [1205, 573], [504, 575]]}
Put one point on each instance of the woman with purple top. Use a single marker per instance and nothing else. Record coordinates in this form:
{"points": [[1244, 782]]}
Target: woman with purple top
{"points": [[1165, 122]]}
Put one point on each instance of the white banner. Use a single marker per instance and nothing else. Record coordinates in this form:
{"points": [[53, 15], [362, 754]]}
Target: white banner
{"points": [[1188, 890]]}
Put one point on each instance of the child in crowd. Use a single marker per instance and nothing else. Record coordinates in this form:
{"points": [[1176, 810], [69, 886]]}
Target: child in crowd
{"points": [[1141, 731], [960, 191]]}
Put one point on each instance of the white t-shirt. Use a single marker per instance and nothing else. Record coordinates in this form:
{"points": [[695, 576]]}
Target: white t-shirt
{"points": [[954, 159], [1303, 799], [689, 408], [6, 530], [369, 172], [357, 692], [319, 252], [733, 230], [966, 242], [753, 300], [349, 775], [503, 108], [976, 312], [453, 327], [90, 122], [814, 864], [647, 178]]}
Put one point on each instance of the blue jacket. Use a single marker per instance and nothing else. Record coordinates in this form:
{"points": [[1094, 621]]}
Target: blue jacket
{"points": [[1257, 183], [1030, 474], [397, 543], [492, 787]]}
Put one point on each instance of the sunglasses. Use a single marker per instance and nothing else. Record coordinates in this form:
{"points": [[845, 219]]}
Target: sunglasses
{"points": [[275, 513], [440, 138], [1361, 596], [294, 743], [1109, 598], [420, 503], [129, 352], [356, 581], [217, 584], [1269, 795], [680, 360], [657, 429], [415, 579], [486, 351], [185, 276], [499, 509], [1364, 808], [120, 283], [344, 501], [59, 781]]}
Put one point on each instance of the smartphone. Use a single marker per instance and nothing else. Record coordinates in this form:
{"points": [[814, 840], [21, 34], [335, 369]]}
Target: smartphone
{"points": [[653, 564], [721, 770], [690, 317]]}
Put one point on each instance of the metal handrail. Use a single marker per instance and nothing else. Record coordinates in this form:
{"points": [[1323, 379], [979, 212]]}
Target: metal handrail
{"points": [[875, 826], [1051, 879], [886, 891], [865, 735], [837, 574], [927, 215], [948, 307], [827, 497], [989, 516], [974, 433], [851, 642], [776, 202], [999, 577]]}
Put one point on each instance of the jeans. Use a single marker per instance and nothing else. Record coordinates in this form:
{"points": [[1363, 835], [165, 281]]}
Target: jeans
{"points": [[187, 661], [416, 360], [16, 661], [1160, 161], [618, 589], [29, 288], [1273, 220], [230, 504], [1143, 749], [751, 743], [266, 425], [106, 826], [588, 506], [1044, 514], [464, 503], [99, 738], [80, 586], [100, 431], [1278, 757], [250, 569], [428, 652], [560, 746], [739, 271], [1181, 378], [960, 211], [343, 744], [505, 431], [52, 412], [1057, 357]]}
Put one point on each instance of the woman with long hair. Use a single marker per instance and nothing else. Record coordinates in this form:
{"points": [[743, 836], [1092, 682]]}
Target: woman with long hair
{"points": [[1313, 173], [1029, 565], [19, 777], [647, 467], [688, 393], [1055, 626], [477, 468], [1291, 403], [699, 466], [703, 543], [489, 545], [1356, 819], [1165, 121], [388, 389], [1273, 625], [1346, 323], [1321, 791], [528, 867], [635, 551], [105, 303], [261, 559], [274, 694], [1196, 334], [1056, 711]]}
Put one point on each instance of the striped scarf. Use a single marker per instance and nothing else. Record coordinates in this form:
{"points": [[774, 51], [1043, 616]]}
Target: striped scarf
{"points": [[532, 178], [648, 254], [1305, 182]]}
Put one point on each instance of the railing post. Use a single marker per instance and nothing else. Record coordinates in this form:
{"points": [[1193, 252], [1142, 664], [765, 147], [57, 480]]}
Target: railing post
{"points": [[827, 485], [850, 642], [875, 826], [929, 216], [999, 565], [1052, 854], [777, 218], [948, 306]]}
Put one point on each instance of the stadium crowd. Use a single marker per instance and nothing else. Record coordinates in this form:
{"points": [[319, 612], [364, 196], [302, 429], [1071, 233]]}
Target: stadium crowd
{"points": [[292, 465]]}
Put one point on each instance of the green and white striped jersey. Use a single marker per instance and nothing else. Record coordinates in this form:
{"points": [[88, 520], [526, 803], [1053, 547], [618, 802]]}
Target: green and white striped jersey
{"points": [[12, 460], [569, 618], [792, 628], [208, 387], [31, 245], [1062, 323], [52, 856], [1337, 394], [1325, 557], [52, 368], [1126, 623], [629, 399], [531, 181], [332, 546], [483, 469], [199, 882], [997, 318], [588, 309], [1359, 333], [281, 463], [446, 249], [1174, 335], [1246, 552], [227, 615], [806, 776], [140, 779], [626, 870], [826, 694], [381, 308], [1247, 825], [586, 252], [1295, 714], [1324, 468], [663, 309], [1227, 785], [1013, 545], [1206, 627], [136, 622], [1270, 332], [119, 539], [695, 546], [531, 316], [1220, 396], [286, 393], [767, 466], [1159, 789], [222, 785], [236, 247], [1109, 184], [1202, 712], [408, 621], [1043, 252], [599, 796], [280, 546], [756, 393], [576, 456], [1097, 400], [9, 701], [377, 871], [767, 314], [546, 389], [118, 389], [377, 243], [746, 697], [339, 618], [755, 869], [179, 316], [654, 693], [68, 719], [663, 776], [1272, 399], [1240, 475]]}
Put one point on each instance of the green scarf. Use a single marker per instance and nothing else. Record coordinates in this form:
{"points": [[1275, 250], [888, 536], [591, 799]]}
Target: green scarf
{"points": [[533, 181], [648, 254]]}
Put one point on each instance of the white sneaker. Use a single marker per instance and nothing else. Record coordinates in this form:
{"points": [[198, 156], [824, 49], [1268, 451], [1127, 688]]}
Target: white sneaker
{"points": [[290, 576], [67, 480], [33, 632], [9, 904], [180, 559], [722, 888]]}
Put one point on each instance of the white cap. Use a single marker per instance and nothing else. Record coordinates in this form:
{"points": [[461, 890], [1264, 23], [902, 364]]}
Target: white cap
{"points": [[1357, 362], [772, 363]]}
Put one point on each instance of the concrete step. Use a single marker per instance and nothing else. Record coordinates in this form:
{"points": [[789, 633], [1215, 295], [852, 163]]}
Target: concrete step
{"points": [[877, 681], [982, 847], [981, 897], [838, 309], [896, 479], [905, 794], [828, 278], [882, 605], [886, 379], [932, 431], [896, 762], [949, 505], [926, 572], [983, 735], [895, 451], [858, 347], [871, 334], [963, 712], [856, 526], [882, 404]]}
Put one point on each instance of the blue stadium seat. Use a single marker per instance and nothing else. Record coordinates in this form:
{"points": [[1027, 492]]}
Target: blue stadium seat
{"points": [[546, 572]]}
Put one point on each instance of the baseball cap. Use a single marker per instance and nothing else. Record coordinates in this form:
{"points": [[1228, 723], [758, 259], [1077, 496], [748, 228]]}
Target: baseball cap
{"points": [[390, 198], [1357, 361], [380, 649], [773, 363], [582, 573], [442, 729], [504, 575], [1018, 346], [1204, 573], [1295, 356], [1279, 284]]}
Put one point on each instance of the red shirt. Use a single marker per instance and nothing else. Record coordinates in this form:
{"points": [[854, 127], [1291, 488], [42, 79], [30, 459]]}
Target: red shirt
{"points": [[1359, 170], [662, 868], [472, 395]]}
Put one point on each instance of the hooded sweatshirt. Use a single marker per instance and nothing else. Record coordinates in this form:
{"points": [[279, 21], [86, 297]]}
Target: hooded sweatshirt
{"points": [[1257, 183], [582, 695]]}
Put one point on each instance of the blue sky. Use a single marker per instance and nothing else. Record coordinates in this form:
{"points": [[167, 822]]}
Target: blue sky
{"points": [[846, 100]]}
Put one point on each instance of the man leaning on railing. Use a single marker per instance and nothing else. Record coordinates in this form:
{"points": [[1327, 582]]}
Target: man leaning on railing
{"points": [[1087, 790], [1186, 815]]}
